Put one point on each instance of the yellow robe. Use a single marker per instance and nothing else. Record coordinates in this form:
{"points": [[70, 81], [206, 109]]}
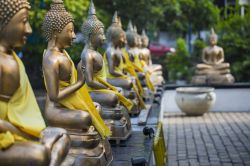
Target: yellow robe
{"points": [[81, 100], [101, 77], [119, 69], [21, 110], [139, 67]]}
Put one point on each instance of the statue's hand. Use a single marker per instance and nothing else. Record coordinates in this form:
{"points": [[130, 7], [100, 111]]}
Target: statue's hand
{"points": [[81, 73]]}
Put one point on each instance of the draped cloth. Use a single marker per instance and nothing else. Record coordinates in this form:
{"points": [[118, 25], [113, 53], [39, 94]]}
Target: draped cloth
{"points": [[81, 100], [119, 69], [101, 77], [21, 110], [137, 65], [129, 67]]}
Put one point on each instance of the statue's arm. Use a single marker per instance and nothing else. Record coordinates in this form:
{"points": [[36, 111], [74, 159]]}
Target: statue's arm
{"points": [[51, 74], [3, 97], [6, 126], [88, 62], [221, 57], [111, 57], [204, 56]]}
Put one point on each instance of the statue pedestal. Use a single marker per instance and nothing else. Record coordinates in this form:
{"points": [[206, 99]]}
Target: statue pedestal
{"points": [[118, 121], [88, 150], [213, 79]]}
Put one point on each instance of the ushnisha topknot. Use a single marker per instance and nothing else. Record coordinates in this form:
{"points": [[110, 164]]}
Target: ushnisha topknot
{"points": [[9, 8], [56, 19], [114, 29], [92, 24], [130, 34], [144, 35], [212, 33]]}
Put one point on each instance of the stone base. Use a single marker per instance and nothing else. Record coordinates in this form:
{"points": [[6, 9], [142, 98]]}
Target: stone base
{"points": [[119, 123], [226, 79], [99, 153]]}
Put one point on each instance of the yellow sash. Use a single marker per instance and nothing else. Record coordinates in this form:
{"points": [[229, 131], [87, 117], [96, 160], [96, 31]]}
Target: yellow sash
{"points": [[129, 67], [21, 110], [81, 100], [139, 67], [101, 77]]}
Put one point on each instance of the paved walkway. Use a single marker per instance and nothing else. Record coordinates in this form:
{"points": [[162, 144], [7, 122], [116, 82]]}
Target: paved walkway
{"points": [[217, 138]]}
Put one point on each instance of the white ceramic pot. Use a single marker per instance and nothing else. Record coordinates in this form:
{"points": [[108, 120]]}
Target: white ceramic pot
{"points": [[195, 101]]}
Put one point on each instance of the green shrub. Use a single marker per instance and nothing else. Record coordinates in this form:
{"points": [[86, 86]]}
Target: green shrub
{"points": [[178, 64]]}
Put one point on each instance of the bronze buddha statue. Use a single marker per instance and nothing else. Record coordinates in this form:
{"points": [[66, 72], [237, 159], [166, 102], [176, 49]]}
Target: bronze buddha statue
{"points": [[100, 90], [114, 63], [24, 138], [133, 44], [155, 70], [68, 103], [213, 70]]}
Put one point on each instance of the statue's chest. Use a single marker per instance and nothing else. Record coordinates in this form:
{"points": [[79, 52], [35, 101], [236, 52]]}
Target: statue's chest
{"points": [[118, 58], [98, 63], [213, 52], [10, 77], [65, 69]]}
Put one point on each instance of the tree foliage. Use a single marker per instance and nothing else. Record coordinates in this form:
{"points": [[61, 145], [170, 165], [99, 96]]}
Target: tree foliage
{"points": [[235, 39]]}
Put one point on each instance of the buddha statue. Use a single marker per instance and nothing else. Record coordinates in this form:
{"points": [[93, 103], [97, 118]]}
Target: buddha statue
{"points": [[155, 70], [213, 70], [24, 138], [114, 62], [100, 90], [133, 44], [68, 103]]}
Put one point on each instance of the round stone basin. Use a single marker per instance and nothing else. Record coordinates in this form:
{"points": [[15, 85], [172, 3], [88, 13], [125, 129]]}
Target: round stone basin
{"points": [[195, 101]]}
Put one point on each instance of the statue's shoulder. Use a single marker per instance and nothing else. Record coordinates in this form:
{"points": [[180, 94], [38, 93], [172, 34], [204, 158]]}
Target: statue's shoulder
{"points": [[51, 58], [88, 54]]}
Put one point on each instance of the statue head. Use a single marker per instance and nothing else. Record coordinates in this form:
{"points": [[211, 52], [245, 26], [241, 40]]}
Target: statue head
{"points": [[131, 37], [115, 34], [58, 25], [144, 39], [213, 38], [14, 22], [93, 29], [138, 38]]}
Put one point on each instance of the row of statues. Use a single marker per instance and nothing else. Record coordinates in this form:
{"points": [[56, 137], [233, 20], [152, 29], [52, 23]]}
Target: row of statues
{"points": [[86, 104]]}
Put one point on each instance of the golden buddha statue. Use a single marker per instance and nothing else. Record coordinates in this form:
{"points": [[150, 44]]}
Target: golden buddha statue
{"points": [[24, 138], [68, 103], [155, 70], [100, 90], [114, 62], [214, 70]]}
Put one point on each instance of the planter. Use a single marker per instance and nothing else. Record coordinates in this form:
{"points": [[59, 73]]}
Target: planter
{"points": [[195, 101]]}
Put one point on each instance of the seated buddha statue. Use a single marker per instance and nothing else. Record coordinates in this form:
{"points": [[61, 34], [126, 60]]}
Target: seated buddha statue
{"points": [[133, 43], [213, 70], [114, 62], [96, 81], [155, 70], [68, 103], [24, 138]]}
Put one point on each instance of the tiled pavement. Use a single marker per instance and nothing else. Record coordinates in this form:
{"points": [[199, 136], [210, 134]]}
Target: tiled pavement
{"points": [[217, 138]]}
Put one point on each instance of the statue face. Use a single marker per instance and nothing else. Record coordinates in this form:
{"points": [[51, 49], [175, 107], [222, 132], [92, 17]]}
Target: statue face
{"points": [[213, 40], [16, 32], [67, 36], [144, 42], [138, 41], [122, 39], [98, 38]]}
